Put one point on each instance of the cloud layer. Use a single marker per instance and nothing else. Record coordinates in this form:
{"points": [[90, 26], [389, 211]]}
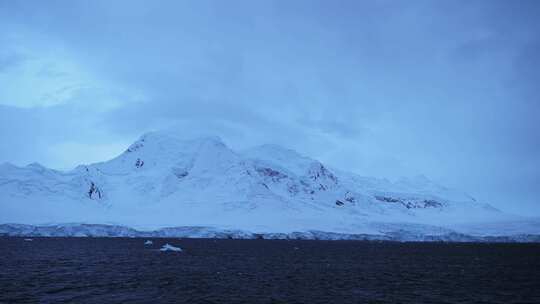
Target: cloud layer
{"points": [[448, 89]]}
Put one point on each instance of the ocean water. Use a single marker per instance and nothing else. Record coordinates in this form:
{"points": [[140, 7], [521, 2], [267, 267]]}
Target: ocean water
{"points": [[124, 270]]}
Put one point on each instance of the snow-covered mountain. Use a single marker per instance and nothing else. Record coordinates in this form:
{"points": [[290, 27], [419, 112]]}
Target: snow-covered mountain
{"points": [[162, 181]]}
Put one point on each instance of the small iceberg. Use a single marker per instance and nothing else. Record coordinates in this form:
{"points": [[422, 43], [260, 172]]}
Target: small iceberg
{"points": [[168, 247], [148, 242], [28, 240]]}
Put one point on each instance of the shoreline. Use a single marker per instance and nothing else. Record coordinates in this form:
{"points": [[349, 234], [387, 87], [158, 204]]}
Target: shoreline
{"points": [[201, 232]]}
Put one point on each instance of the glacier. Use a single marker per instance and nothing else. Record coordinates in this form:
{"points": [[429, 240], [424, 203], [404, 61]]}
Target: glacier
{"points": [[165, 186]]}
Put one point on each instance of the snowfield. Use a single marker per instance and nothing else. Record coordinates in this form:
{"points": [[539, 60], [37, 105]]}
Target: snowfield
{"points": [[201, 188]]}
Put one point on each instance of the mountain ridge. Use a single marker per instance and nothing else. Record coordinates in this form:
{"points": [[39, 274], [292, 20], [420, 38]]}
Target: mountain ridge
{"points": [[162, 180]]}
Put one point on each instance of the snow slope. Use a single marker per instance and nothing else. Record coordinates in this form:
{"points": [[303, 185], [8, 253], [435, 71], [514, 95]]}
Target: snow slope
{"points": [[163, 181]]}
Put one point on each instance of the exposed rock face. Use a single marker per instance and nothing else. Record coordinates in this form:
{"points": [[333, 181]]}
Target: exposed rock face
{"points": [[94, 191], [136, 146], [274, 175], [350, 198], [410, 203], [139, 163], [319, 172], [180, 173]]}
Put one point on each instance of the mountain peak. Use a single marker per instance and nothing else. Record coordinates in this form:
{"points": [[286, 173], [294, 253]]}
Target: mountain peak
{"points": [[173, 140], [282, 157], [163, 150], [175, 135], [35, 165]]}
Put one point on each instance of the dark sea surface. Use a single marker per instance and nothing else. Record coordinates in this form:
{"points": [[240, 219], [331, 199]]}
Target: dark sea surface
{"points": [[124, 270]]}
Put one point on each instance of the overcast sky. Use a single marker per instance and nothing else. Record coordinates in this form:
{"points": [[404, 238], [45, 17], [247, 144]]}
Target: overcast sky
{"points": [[448, 89]]}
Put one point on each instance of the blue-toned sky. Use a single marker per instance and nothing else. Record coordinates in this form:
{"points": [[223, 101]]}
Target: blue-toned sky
{"points": [[448, 89]]}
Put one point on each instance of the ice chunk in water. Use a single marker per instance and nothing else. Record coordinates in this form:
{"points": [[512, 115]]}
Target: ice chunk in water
{"points": [[168, 247]]}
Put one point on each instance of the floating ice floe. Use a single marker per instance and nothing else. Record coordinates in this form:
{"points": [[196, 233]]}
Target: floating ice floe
{"points": [[168, 247], [148, 242], [28, 240]]}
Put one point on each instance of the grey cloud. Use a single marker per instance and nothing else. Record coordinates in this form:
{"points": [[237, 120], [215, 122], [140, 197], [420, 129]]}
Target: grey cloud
{"points": [[10, 59], [445, 88]]}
